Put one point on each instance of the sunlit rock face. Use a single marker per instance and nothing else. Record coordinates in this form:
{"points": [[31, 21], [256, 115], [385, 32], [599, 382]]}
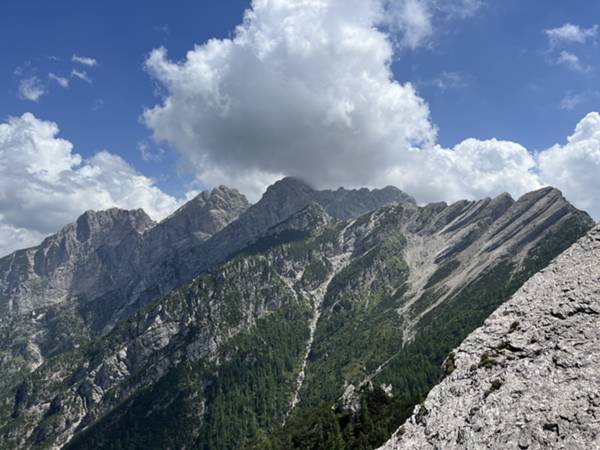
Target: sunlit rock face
{"points": [[530, 376]]}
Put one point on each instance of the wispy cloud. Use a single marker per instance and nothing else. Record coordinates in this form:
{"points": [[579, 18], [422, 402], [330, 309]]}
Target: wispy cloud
{"points": [[149, 154], [25, 67], [82, 75], [62, 81], [570, 101], [31, 89], [98, 104], [570, 33], [571, 61], [448, 80], [162, 29], [86, 61], [413, 21]]}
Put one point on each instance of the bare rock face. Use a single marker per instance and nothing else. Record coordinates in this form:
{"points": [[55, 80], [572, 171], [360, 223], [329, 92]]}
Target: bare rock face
{"points": [[280, 201], [103, 250], [109, 264], [204, 215], [65, 262], [124, 254], [529, 378], [348, 203], [79, 282]]}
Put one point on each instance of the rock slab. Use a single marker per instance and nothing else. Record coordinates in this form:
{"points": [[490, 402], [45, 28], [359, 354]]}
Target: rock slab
{"points": [[529, 378]]}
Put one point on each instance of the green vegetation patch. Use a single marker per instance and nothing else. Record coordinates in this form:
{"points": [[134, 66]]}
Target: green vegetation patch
{"points": [[325, 428]]}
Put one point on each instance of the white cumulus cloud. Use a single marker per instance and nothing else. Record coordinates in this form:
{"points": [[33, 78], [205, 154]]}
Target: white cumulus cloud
{"points": [[62, 81], [84, 60], [575, 166], [472, 169], [412, 19], [31, 89], [570, 33], [305, 88], [45, 185]]}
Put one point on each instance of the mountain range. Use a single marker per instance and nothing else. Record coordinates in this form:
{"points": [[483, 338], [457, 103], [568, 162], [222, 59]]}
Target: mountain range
{"points": [[311, 319]]}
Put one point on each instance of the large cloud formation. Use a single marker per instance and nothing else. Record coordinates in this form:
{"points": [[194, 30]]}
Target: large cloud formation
{"points": [[45, 185], [305, 88], [575, 166]]}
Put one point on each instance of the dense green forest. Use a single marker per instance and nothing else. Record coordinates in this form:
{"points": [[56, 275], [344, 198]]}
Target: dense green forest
{"points": [[418, 366]]}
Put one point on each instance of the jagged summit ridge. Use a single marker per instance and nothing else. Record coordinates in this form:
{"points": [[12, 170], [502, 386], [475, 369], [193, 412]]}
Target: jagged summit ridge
{"points": [[111, 224], [341, 203], [281, 200], [77, 260], [133, 246], [529, 377], [205, 214]]}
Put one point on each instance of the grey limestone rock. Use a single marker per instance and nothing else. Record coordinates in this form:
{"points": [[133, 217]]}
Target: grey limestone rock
{"points": [[529, 378]]}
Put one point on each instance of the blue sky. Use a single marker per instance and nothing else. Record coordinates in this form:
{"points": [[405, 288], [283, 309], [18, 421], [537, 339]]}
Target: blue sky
{"points": [[484, 89], [119, 35], [510, 87], [514, 87]]}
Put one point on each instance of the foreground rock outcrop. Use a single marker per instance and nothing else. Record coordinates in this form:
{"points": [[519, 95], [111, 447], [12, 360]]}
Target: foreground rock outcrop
{"points": [[529, 378]]}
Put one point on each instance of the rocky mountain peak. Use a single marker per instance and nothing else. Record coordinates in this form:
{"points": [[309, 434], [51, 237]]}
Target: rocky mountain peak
{"points": [[347, 203], [223, 190], [98, 224], [205, 214], [92, 230], [286, 188], [392, 192], [504, 198], [547, 194], [220, 194], [220, 197]]}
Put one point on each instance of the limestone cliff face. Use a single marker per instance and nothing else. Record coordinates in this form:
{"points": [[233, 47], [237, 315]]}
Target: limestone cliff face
{"points": [[103, 250], [124, 258], [109, 264], [79, 282], [529, 378], [68, 262], [195, 329]]}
